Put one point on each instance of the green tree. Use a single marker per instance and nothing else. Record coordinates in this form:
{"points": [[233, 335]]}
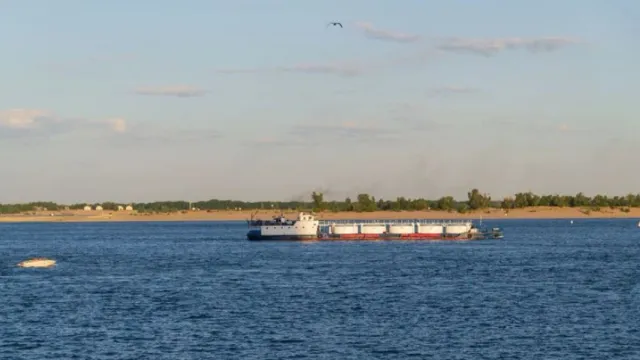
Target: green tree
{"points": [[366, 203], [446, 203], [476, 200], [508, 203], [318, 201]]}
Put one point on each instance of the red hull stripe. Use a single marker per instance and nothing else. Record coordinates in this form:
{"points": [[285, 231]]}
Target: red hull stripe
{"points": [[396, 237]]}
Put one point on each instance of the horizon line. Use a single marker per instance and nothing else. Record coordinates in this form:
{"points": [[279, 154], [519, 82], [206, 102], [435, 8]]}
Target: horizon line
{"points": [[353, 199]]}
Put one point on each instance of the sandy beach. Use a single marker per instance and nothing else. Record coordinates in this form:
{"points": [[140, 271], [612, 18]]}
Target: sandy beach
{"points": [[117, 216]]}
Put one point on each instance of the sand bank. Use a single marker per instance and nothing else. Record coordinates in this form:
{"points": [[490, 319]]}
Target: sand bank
{"points": [[527, 213]]}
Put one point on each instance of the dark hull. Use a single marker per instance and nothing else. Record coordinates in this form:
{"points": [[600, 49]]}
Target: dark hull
{"points": [[282, 238], [255, 235]]}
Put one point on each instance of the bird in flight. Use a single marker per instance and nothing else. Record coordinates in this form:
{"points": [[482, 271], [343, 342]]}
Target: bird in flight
{"points": [[334, 24]]}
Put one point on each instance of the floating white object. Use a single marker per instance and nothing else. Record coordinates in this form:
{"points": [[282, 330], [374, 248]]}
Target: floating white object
{"points": [[37, 263]]}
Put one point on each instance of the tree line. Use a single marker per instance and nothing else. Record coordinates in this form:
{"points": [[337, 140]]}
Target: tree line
{"points": [[361, 203]]}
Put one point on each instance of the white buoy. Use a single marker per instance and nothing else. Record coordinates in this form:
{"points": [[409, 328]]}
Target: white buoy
{"points": [[572, 221], [37, 263]]}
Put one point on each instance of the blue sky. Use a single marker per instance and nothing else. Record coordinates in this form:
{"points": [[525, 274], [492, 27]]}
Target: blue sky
{"points": [[259, 100]]}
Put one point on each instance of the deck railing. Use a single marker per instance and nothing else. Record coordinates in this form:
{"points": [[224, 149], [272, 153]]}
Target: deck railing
{"points": [[394, 222]]}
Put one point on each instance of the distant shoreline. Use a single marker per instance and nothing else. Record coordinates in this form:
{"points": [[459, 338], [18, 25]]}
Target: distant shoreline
{"points": [[132, 216]]}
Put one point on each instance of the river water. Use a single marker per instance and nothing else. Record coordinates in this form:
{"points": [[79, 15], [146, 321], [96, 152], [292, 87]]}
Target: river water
{"points": [[199, 290]]}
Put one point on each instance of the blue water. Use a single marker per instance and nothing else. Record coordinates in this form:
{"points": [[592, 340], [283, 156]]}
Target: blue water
{"points": [[549, 290]]}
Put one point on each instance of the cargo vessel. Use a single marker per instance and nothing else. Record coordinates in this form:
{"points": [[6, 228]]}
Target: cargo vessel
{"points": [[307, 227]]}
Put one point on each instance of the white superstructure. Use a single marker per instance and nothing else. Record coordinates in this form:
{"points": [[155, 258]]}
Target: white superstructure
{"points": [[305, 225]]}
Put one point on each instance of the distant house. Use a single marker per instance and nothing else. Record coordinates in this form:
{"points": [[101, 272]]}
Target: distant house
{"points": [[120, 208], [87, 208], [129, 208], [99, 208]]}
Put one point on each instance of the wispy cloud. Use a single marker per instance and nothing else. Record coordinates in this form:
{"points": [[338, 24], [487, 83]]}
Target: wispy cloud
{"points": [[416, 120], [80, 65], [541, 128], [450, 90], [35, 124], [339, 69], [275, 142], [177, 91], [311, 135], [20, 123], [372, 32], [146, 134], [23, 118], [489, 47], [346, 130], [345, 69], [429, 50]]}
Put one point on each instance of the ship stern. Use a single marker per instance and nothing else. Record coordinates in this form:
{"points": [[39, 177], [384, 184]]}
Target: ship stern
{"points": [[254, 234]]}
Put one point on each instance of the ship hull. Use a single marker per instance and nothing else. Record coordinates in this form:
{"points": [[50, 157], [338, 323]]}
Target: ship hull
{"points": [[414, 237], [371, 237], [281, 237], [256, 235]]}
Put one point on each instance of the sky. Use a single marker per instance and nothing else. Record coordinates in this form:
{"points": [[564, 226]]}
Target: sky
{"points": [[261, 100]]}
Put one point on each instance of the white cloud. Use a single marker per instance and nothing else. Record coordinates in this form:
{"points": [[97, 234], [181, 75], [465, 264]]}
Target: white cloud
{"points": [[175, 90], [38, 124], [20, 123], [488, 47], [22, 118]]}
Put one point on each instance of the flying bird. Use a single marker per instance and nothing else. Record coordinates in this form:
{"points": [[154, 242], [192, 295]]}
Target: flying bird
{"points": [[334, 24]]}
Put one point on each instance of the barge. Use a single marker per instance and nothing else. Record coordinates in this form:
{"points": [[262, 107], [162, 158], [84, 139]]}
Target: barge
{"points": [[307, 227]]}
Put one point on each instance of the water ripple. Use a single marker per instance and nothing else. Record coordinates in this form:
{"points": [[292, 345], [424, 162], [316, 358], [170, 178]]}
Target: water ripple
{"points": [[551, 290]]}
